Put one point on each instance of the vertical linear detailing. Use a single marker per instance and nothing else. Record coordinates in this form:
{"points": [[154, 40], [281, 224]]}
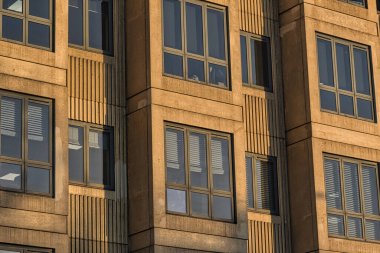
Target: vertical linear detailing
{"points": [[266, 237]]}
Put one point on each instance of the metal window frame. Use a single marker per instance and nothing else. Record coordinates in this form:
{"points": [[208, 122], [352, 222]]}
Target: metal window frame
{"points": [[273, 161], [344, 213], [25, 249], [248, 38], [335, 89], [206, 59], [85, 35], [24, 161], [87, 127], [26, 18], [210, 191]]}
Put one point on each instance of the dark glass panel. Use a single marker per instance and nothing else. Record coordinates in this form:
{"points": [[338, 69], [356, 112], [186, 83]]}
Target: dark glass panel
{"points": [[260, 63], [248, 165], [76, 154], [100, 157], [325, 64], [172, 24], [38, 132], [76, 22], [361, 71], [13, 28], [39, 8], [14, 5], [221, 208], [176, 200], [365, 109], [218, 75], [10, 176], [196, 70], [199, 204], [11, 127], [328, 100], [244, 58], [216, 35], [194, 28], [173, 64], [38, 180], [38, 34], [100, 24], [343, 67], [346, 104]]}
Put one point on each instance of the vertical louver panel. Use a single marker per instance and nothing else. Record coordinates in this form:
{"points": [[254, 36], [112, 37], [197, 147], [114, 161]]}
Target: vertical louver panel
{"points": [[372, 230], [265, 185], [351, 187], [175, 155], [354, 227], [333, 184], [370, 190], [248, 165], [335, 224]]}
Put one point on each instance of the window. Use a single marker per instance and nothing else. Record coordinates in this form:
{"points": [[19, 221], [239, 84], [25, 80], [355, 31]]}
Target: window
{"points": [[357, 2], [256, 61], [91, 157], [352, 196], [198, 173], [91, 25], [26, 144], [261, 184], [27, 22], [195, 42], [345, 78], [20, 249]]}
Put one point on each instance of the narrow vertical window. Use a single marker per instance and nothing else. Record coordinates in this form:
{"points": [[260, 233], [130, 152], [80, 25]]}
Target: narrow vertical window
{"points": [[244, 59], [76, 24], [76, 154]]}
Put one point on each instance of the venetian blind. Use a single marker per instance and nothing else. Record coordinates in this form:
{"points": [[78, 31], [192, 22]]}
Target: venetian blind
{"points": [[197, 152], [265, 185], [38, 122], [174, 148], [333, 184], [10, 116], [370, 190], [351, 187]]}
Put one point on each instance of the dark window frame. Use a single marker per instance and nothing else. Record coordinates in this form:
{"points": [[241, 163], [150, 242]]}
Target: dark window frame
{"points": [[335, 89], [25, 249], [87, 127], [206, 59], [248, 37], [86, 43], [364, 5], [26, 17], [345, 213], [193, 189], [273, 161], [24, 161]]}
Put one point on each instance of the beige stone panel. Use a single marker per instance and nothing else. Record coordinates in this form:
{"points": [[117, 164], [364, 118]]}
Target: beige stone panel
{"points": [[173, 238]]}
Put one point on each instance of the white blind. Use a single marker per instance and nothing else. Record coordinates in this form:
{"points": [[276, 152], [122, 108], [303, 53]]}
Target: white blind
{"points": [[333, 184], [10, 116], [219, 155], [197, 152], [38, 122], [174, 148], [370, 190], [95, 140], [74, 142], [351, 187]]}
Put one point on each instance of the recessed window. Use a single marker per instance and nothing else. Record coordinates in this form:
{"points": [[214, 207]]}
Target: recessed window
{"points": [[262, 190], [26, 144], [357, 2], [198, 173], [91, 155], [352, 198], [345, 78], [91, 24], [256, 61], [7, 248], [195, 42], [28, 22]]}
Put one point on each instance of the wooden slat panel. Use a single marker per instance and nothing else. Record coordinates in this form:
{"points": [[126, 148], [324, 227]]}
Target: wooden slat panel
{"points": [[265, 237]]}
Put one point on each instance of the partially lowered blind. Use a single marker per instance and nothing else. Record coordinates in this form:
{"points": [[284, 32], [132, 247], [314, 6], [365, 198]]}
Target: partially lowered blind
{"points": [[198, 160], [333, 184], [351, 187], [220, 163], [370, 190], [175, 155], [265, 185], [38, 122]]}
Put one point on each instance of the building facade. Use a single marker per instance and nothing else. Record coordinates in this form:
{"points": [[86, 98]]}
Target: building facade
{"points": [[189, 126]]}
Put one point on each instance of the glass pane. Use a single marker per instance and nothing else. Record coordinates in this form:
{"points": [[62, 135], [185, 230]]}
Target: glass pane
{"points": [[175, 156], [100, 157], [260, 65], [335, 224], [351, 187], [328, 100], [38, 180], [173, 64], [248, 165], [39, 8], [199, 204], [8, 251], [265, 186], [38, 132], [354, 227], [360, 2], [216, 36], [343, 67], [100, 24], [10, 176], [176, 200], [346, 104], [11, 127], [361, 71], [220, 164], [372, 229], [364, 108], [76, 149], [218, 75], [244, 60], [38, 34], [370, 190], [198, 160], [13, 28], [172, 24], [221, 208], [325, 64], [196, 70], [333, 184], [194, 28], [13, 5], [76, 22]]}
